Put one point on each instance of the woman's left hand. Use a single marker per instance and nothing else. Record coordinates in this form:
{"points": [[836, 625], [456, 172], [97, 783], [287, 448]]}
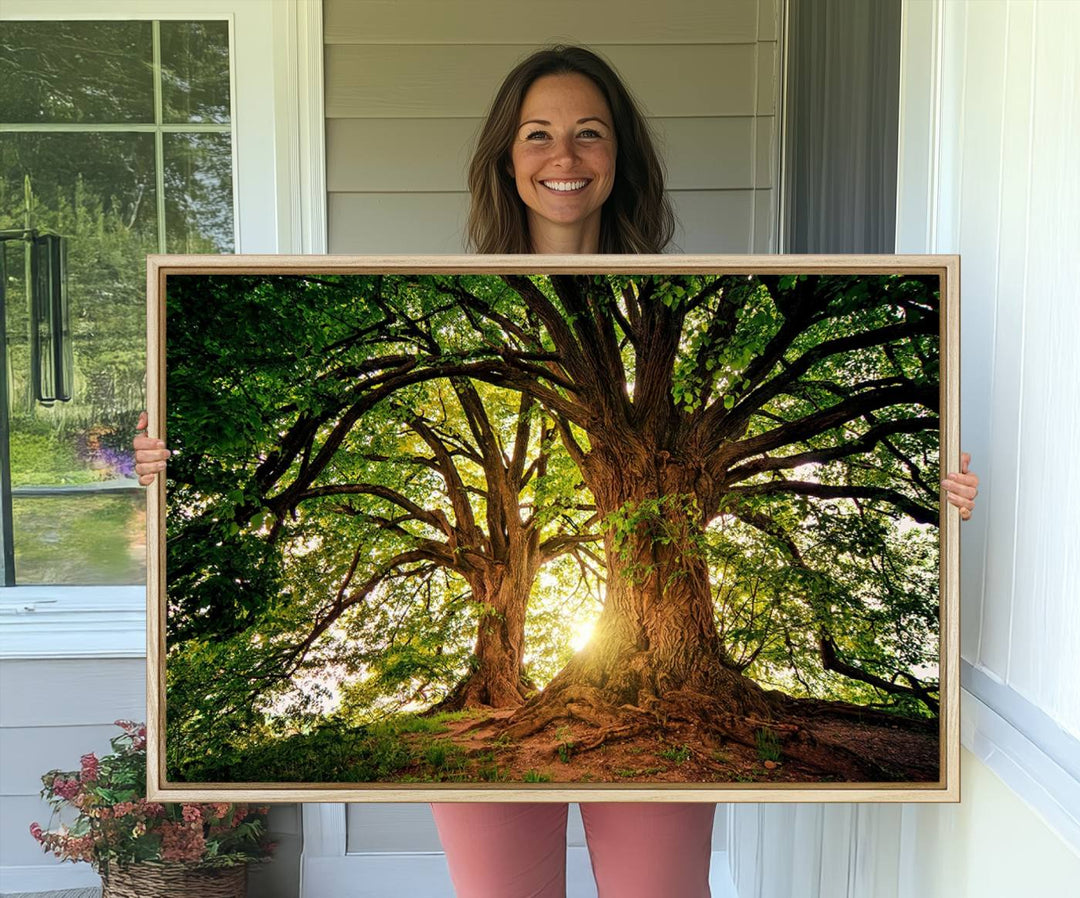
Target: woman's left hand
{"points": [[962, 487]]}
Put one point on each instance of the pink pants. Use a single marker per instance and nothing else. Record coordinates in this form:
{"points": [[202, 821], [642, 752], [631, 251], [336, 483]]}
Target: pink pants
{"points": [[518, 850]]}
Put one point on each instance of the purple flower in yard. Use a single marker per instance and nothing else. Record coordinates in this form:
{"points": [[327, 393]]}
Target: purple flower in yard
{"points": [[111, 461], [117, 462]]}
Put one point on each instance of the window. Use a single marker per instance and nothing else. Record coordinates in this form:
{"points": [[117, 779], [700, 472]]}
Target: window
{"points": [[116, 135]]}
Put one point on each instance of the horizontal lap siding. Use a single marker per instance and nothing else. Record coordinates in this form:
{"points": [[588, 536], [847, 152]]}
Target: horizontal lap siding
{"points": [[53, 712], [460, 80], [408, 83], [524, 22], [389, 155]]}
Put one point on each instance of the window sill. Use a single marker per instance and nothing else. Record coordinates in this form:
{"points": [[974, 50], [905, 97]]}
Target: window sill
{"points": [[73, 622]]}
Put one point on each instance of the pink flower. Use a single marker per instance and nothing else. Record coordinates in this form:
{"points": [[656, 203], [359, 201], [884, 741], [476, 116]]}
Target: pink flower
{"points": [[217, 809], [181, 842], [36, 831], [192, 814], [123, 808], [89, 768], [65, 788], [150, 808]]}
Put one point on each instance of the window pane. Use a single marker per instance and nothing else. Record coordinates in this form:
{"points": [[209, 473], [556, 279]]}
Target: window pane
{"points": [[98, 191], [103, 179], [195, 71], [78, 513], [81, 539], [198, 193], [76, 72]]}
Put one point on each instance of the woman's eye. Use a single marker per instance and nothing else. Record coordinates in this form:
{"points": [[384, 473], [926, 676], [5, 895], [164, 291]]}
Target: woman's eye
{"points": [[589, 132], [536, 135]]}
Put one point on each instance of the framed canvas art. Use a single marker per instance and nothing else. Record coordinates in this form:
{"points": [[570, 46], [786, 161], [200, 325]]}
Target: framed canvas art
{"points": [[589, 528]]}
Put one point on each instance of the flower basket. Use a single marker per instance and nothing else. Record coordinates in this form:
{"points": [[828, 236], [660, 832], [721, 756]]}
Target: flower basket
{"points": [[173, 880], [149, 849]]}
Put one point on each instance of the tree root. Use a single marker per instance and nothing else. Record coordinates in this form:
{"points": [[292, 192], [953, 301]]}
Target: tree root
{"points": [[830, 739], [610, 734], [812, 707], [583, 702]]}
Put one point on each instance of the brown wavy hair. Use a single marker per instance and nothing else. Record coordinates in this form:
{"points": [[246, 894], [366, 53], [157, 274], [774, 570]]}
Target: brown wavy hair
{"points": [[637, 216]]}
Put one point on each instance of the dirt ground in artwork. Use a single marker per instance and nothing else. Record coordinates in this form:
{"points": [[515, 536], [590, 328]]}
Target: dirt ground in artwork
{"points": [[471, 750]]}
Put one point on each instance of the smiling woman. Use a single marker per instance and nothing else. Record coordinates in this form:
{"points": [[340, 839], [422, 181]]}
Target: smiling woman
{"points": [[563, 116], [563, 162]]}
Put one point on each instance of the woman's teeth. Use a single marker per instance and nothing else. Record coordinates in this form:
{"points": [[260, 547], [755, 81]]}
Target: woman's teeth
{"points": [[564, 185]]}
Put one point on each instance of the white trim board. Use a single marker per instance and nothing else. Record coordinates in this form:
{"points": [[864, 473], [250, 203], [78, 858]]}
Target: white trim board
{"points": [[298, 47], [1025, 767], [427, 875], [38, 622], [1059, 746]]}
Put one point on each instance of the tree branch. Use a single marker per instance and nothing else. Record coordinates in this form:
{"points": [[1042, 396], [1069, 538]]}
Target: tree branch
{"points": [[906, 504], [864, 443]]}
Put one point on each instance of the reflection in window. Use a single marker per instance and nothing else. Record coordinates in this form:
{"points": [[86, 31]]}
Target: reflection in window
{"points": [[117, 136]]}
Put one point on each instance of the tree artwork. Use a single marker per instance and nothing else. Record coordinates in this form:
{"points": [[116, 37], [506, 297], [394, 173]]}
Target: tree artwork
{"points": [[568, 527]]}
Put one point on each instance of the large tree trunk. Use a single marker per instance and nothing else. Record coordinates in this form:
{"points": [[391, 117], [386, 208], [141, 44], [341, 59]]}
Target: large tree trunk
{"points": [[655, 650]]}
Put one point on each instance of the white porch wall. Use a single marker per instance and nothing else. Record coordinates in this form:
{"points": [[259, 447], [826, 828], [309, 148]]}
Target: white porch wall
{"points": [[989, 143]]}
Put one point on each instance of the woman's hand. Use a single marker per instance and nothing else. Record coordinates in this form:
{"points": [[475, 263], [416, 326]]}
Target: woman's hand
{"points": [[150, 454], [962, 487]]}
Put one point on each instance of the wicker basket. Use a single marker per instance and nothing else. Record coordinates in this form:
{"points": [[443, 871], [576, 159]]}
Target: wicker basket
{"points": [[170, 880]]}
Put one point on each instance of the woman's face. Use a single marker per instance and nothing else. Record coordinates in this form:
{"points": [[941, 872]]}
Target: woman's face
{"points": [[563, 158]]}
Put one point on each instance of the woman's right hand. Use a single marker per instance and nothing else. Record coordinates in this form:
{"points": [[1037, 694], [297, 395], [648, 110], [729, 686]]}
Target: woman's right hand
{"points": [[150, 454]]}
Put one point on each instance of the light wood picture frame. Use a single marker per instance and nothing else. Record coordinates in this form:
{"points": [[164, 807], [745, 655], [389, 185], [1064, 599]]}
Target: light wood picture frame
{"points": [[560, 528]]}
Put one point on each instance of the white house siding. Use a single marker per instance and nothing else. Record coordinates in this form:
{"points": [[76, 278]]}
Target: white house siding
{"points": [[53, 712], [1012, 159], [989, 142], [408, 82], [990, 845]]}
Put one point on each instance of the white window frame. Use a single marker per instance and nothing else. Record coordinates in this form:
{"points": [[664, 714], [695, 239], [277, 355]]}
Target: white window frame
{"points": [[276, 89]]}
